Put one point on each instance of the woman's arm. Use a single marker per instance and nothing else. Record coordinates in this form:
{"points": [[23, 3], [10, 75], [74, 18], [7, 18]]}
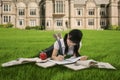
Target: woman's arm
{"points": [[55, 57]]}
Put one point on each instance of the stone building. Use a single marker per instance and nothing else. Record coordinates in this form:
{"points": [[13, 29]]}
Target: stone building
{"points": [[60, 14]]}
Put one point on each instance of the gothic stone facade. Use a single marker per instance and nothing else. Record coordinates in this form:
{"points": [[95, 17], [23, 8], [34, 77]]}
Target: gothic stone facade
{"points": [[60, 14]]}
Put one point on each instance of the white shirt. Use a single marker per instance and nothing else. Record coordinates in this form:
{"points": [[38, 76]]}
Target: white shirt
{"points": [[70, 50]]}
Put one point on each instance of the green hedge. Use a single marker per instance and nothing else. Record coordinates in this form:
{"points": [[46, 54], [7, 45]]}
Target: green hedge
{"points": [[8, 25], [114, 27], [35, 27]]}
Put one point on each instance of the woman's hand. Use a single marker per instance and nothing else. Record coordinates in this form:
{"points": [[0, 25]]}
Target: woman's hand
{"points": [[55, 57], [60, 57], [84, 58]]}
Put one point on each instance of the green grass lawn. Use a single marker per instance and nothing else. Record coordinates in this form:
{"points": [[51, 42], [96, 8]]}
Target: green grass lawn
{"points": [[98, 45]]}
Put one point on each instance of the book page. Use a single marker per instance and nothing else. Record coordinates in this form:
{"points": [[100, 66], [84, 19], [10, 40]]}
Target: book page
{"points": [[66, 61], [73, 59], [46, 64], [61, 62], [81, 64], [75, 67], [86, 62], [105, 65]]}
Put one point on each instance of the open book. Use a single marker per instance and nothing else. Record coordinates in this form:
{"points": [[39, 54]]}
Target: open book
{"points": [[89, 63], [45, 64], [66, 61], [22, 61], [51, 63]]}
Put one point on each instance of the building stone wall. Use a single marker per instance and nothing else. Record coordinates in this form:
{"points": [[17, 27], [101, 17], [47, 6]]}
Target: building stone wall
{"points": [[60, 14]]}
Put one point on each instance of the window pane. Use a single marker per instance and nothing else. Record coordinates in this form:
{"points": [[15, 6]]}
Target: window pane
{"points": [[103, 22], [7, 19], [91, 11], [102, 12], [7, 7], [21, 22], [78, 23], [32, 11], [59, 22], [79, 11], [32, 22], [91, 22], [21, 11], [59, 6]]}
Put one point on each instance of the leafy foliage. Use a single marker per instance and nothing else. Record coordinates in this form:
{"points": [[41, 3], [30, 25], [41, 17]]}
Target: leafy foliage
{"points": [[35, 27], [8, 25], [114, 27]]}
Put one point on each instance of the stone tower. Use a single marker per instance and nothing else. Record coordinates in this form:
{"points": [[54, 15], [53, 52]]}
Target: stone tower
{"points": [[113, 12], [57, 14]]}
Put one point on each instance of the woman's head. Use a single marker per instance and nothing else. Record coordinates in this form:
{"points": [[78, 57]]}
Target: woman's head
{"points": [[74, 37]]}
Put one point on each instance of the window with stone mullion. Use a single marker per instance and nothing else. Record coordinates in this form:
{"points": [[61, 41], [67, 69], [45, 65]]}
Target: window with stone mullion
{"points": [[32, 11], [7, 19], [90, 22], [7, 7], [59, 6], [21, 12]]}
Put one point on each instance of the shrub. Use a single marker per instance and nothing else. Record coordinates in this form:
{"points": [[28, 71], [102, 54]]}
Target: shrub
{"points": [[112, 27], [38, 27], [8, 25], [1, 25], [27, 27], [33, 27], [118, 28], [42, 27]]}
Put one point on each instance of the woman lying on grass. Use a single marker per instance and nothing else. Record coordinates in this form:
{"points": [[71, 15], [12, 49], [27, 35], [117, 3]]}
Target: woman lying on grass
{"points": [[71, 45]]}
